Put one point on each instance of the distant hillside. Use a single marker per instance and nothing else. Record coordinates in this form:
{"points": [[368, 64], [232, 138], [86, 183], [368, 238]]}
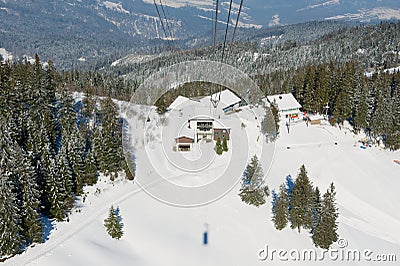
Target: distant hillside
{"points": [[74, 33]]}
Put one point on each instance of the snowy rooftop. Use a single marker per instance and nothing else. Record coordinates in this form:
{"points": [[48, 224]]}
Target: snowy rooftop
{"points": [[316, 117], [227, 97], [284, 101], [179, 102]]}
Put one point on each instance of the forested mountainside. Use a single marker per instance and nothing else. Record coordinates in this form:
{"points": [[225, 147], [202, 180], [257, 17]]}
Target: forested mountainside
{"points": [[373, 46], [51, 146], [76, 48]]}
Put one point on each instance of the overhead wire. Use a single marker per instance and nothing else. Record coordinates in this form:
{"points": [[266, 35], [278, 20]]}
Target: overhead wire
{"points": [[161, 20], [231, 46], [166, 22], [215, 102], [216, 22], [223, 51], [226, 31], [237, 21]]}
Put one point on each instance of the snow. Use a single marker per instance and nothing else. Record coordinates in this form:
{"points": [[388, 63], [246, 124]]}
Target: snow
{"points": [[178, 101], [245, 25], [366, 15], [232, 23], [5, 54], [284, 101], [389, 70], [227, 97], [5, 9], [115, 7], [183, 3], [366, 183], [132, 59], [328, 3], [275, 21]]}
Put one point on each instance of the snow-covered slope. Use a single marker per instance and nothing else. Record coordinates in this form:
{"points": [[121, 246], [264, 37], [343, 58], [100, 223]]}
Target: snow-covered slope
{"points": [[366, 15], [5, 55], [366, 182]]}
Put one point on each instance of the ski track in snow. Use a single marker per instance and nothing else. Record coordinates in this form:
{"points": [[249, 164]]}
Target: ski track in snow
{"points": [[44, 249]]}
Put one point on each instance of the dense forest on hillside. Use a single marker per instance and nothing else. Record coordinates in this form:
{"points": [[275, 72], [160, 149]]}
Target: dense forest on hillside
{"points": [[373, 46], [50, 147]]}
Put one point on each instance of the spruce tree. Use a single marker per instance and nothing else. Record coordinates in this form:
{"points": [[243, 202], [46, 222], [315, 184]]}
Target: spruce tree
{"points": [[29, 198], [268, 126], [317, 208], [301, 202], [129, 167], [275, 114], [114, 224], [112, 156], [75, 153], [281, 210], [58, 184], [325, 232], [273, 200], [224, 145], [11, 238], [91, 172], [65, 178], [253, 191], [218, 147], [10, 217], [67, 117]]}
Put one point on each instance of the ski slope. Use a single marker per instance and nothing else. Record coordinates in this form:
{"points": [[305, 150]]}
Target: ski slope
{"points": [[159, 234]]}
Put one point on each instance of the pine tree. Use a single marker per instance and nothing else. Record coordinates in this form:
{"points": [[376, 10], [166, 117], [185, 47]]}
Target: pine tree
{"points": [[112, 155], [75, 153], [281, 210], [252, 197], [58, 191], [65, 178], [253, 191], [316, 209], [301, 202], [325, 232], [218, 147], [11, 238], [275, 114], [224, 145], [67, 118], [129, 167], [268, 126], [10, 217], [361, 113], [29, 198], [114, 224], [91, 172], [274, 200]]}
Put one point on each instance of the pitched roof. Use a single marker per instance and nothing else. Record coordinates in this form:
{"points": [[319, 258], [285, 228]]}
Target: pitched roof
{"points": [[177, 104], [227, 97], [184, 136], [284, 101]]}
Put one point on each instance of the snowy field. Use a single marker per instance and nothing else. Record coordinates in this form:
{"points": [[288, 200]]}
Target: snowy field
{"points": [[155, 233]]}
